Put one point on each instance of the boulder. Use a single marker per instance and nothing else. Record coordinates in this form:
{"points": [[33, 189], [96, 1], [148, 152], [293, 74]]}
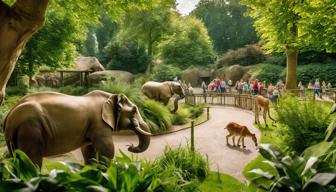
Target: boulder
{"points": [[234, 72], [98, 76]]}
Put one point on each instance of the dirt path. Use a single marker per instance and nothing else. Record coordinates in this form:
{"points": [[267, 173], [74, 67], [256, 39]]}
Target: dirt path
{"points": [[209, 139]]}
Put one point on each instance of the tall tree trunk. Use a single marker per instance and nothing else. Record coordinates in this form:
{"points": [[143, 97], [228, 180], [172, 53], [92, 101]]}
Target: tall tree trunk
{"points": [[17, 24], [292, 58], [150, 53]]}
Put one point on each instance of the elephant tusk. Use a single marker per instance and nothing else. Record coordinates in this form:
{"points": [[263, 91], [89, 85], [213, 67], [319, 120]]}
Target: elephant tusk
{"points": [[137, 127]]}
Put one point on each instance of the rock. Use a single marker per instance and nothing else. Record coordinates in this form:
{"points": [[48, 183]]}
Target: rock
{"points": [[98, 76]]}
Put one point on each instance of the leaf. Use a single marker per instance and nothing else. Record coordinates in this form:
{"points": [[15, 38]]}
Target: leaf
{"points": [[24, 167], [311, 161], [270, 152], [318, 150], [331, 128], [322, 179], [262, 173]]}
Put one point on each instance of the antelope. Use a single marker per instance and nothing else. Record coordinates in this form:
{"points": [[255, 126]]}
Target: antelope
{"points": [[239, 130]]}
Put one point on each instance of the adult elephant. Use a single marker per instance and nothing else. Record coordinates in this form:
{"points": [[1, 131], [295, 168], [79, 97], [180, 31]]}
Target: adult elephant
{"points": [[163, 91], [46, 124]]}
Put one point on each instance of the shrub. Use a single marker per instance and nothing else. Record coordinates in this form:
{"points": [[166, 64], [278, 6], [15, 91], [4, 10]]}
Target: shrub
{"points": [[306, 73], [157, 116], [70, 90], [193, 164], [164, 72], [304, 122], [267, 72], [294, 173], [120, 174], [196, 111], [17, 90], [248, 55]]}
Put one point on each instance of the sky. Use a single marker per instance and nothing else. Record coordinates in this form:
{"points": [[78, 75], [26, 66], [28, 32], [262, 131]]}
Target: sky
{"points": [[186, 6]]}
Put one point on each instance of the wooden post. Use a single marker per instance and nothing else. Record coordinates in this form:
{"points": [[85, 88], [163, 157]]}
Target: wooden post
{"points": [[208, 113], [192, 136], [194, 99], [61, 79]]}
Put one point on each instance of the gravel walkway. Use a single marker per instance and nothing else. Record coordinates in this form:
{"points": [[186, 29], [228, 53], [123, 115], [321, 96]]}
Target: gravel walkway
{"points": [[209, 140]]}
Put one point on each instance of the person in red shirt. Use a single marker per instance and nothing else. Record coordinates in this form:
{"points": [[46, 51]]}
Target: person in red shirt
{"points": [[255, 87], [218, 84], [261, 88]]}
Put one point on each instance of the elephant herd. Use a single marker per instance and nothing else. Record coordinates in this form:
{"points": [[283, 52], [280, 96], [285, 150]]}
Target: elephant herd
{"points": [[49, 123]]}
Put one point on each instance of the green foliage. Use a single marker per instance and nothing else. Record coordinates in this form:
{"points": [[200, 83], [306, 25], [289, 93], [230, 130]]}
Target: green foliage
{"points": [[157, 116], [181, 116], [120, 174], [70, 90], [248, 55], [192, 162], [54, 45], [127, 56], [304, 122], [196, 111], [90, 45], [164, 72], [323, 72], [187, 45], [294, 173], [226, 24], [267, 72], [217, 182]]}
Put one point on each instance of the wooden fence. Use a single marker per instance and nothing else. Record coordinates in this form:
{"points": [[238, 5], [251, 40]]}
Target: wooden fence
{"points": [[243, 101]]}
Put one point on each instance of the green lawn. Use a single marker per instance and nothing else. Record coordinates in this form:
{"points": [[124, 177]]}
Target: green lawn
{"points": [[222, 182]]}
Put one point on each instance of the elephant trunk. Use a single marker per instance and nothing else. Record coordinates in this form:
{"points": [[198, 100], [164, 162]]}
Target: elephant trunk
{"points": [[176, 103], [142, 131]]}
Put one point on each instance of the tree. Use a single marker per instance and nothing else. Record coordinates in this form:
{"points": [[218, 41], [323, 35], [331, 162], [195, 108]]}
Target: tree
{"points": [[226, 24], [90, 47], [22, 18], [148, 25], [293, 24], [54, 45], [188, 44]]}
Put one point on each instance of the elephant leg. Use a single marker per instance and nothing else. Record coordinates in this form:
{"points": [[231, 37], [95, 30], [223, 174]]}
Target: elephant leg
{"points": [[29, 140], [104, 146], [89, 154]]}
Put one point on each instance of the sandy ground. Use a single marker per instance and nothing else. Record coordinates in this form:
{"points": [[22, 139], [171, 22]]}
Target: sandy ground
{"points": [[209, 140]]}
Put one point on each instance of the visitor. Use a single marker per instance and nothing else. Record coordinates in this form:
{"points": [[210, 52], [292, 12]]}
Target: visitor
{"points": [[317, 88], [204, 87], [255, 87], [261, 88], [230, 85], [222, 86], [240, 86], [310, 86], [218, 84], [323, 88], [246, 87], [251, 87], [301, 89], [329, 87], [275, 95], [190, 89]]}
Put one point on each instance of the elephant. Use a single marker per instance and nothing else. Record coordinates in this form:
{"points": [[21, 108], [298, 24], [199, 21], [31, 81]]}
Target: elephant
{"points": [[163, 91], [49, 123]]}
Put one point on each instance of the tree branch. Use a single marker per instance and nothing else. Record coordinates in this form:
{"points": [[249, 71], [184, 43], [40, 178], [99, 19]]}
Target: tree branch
{"points": [[31, 10]]}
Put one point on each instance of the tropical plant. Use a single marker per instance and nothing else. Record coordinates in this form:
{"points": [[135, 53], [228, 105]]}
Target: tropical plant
{"points": [[294, 173], [164, 72], [303, 122]]}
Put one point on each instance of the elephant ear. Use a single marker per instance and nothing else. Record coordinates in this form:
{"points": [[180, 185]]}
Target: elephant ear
{"points": [[110, 111]]}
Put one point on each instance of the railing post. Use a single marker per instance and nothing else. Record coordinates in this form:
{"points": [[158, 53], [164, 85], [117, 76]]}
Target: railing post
{"points": [[208, 113], [194, 99], [192, 136]]}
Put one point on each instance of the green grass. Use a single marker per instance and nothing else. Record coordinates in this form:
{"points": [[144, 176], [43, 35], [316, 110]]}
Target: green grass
{"points": [[218, 182]]}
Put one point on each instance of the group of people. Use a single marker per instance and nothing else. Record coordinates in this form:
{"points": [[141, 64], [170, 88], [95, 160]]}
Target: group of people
{"points": [[319, 89]]}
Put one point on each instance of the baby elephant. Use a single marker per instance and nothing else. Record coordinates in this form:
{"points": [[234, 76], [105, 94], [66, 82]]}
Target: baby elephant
{"points": [[241, 131]]}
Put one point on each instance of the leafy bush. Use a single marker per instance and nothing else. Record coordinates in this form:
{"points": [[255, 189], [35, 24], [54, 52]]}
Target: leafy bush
{"points": [[181, 115], [157, 116], [164, 72], [304, 122], [308, 73], [294, 173], [120, 174], [248, 55], [70, 90], [191, 162], [196, 111], [267, 72], [17, 90]]}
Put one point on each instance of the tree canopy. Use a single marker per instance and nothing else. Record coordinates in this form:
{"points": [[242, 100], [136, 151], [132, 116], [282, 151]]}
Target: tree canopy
{"points": [[226, 24]]}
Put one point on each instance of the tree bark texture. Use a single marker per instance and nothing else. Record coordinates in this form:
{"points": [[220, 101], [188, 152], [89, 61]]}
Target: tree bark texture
{"points": [[17, 24], [292, 58]]}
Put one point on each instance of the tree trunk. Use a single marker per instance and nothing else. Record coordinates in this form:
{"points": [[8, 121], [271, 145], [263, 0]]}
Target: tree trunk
{"points": [[17, 24], [292, 58]]}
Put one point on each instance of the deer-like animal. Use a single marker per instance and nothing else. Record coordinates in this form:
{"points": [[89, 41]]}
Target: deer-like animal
{"points": [[239, 130], [262, 103]]}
